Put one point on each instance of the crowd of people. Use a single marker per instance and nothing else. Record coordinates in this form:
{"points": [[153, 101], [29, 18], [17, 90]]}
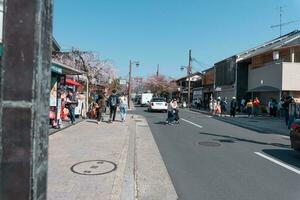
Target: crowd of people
{"points": [[286, 107], [112, 103]]}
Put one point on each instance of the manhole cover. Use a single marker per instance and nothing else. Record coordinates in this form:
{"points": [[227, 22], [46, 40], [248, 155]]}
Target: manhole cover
{"points": [[94, 167], [209, 144]]}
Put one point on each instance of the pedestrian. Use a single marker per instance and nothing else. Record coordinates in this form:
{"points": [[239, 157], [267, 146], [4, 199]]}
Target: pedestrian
{"points": [[286, 100], [292, 112], [223, 106], [270, 107], [249, 107], [113, 102], [170, 114], [71, 104], [256, 104], [123, 107], [175, 110], [242, 105], [233, 107], [274, 107], [100, 108], [218, 110]]}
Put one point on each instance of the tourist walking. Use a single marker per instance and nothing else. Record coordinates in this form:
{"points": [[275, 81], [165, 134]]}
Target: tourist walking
{"points": [[123, 107], [175, 110], [113, 102], [292, 112], [249, 108], [233, 107], [256, 104], [223, 104], [71, 104], [100, 108]]}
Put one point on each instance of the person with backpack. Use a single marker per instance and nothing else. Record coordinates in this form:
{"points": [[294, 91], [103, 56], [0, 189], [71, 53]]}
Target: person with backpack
{"points": [[113, 102]]}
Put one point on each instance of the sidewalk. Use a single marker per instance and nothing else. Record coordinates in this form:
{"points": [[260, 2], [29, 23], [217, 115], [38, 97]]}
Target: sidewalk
{"points": [[107, 162], [261, 124]]}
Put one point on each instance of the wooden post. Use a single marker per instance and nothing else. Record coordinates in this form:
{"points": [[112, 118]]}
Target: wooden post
{"points": [[24, 99]]}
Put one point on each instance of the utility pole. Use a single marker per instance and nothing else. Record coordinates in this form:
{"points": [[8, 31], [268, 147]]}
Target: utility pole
{"points": [[189, 73], [129, 81], [24, 99], [157, 71], [129, 84]]}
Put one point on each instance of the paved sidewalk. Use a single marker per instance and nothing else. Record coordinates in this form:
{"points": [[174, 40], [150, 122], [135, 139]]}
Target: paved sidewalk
{"points": [[110, 160], [261, 124]]}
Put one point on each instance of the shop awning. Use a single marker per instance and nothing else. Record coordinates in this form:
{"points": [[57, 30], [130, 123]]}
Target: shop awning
{"points": [[264, 89], [71, 82], [64, 69]]}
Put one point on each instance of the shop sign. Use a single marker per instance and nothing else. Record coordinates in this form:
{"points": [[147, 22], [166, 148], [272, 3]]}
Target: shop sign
{"points": [[56, 69]]}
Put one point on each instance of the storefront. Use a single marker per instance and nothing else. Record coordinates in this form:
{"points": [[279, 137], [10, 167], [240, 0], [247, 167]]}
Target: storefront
{"points": [[59, 86]]}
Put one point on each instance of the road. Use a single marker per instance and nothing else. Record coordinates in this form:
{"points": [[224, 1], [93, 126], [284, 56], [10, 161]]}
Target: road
{"points": [[211, 160]]}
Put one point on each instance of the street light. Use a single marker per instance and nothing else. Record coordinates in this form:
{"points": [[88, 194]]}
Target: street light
{"points": [[137, 63]]}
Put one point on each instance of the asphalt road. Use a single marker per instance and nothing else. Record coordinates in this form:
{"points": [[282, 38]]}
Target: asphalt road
{"points": [[211, 160]]}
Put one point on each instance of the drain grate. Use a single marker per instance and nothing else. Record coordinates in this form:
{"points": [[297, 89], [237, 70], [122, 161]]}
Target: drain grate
{"points": [[94, 167], [209, 144]]}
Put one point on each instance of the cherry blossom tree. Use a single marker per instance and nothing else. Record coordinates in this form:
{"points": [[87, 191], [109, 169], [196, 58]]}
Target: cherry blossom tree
{"points": [[97, 71], [160, 85]]}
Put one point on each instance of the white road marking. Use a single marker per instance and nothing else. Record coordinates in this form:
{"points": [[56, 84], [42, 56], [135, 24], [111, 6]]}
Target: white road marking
{"points": [[278, 163], [191, 123]]}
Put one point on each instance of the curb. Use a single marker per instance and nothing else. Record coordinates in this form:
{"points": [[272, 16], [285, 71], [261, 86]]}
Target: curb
{"points": [[152, 178], [65, 127]]}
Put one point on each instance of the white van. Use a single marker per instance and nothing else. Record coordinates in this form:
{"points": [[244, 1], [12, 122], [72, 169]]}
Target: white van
{"points": [[146, 98]]}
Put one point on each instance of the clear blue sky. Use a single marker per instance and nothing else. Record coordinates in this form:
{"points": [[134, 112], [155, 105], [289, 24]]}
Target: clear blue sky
{"points": [[161, 31]]}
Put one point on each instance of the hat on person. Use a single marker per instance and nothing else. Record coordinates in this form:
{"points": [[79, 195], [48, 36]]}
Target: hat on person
{"points": [[233, 97]]}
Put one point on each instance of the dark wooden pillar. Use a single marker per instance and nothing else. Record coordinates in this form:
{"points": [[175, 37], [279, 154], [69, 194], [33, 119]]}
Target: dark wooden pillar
{"points": [[24, 99]]}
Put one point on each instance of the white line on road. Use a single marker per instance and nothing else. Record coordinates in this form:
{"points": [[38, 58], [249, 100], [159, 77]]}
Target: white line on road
{"points": [[278, 162], [191, 123]]}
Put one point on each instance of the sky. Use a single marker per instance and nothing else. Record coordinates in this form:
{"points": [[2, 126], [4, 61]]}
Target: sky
{"points": [[162, 31]]}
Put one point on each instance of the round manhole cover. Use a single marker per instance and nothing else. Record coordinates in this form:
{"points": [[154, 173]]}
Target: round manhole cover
{"points": [[209, 144], [94, 167]]}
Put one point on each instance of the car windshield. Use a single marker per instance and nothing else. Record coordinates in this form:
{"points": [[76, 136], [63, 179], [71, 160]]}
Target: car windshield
{"points": [[158, 100]]}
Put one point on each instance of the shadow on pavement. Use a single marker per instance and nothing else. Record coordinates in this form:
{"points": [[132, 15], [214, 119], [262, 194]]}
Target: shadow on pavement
{"points": [[290, 157], [230, 139], [161, 123], [91, 121]]}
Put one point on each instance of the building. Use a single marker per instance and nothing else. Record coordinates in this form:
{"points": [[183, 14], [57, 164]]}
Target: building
{"points": [[268, 70], [208, 80], [183, 86]]}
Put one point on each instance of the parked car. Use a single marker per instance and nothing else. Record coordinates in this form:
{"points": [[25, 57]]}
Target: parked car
{"points": [[295, 135], [158, 104]]}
